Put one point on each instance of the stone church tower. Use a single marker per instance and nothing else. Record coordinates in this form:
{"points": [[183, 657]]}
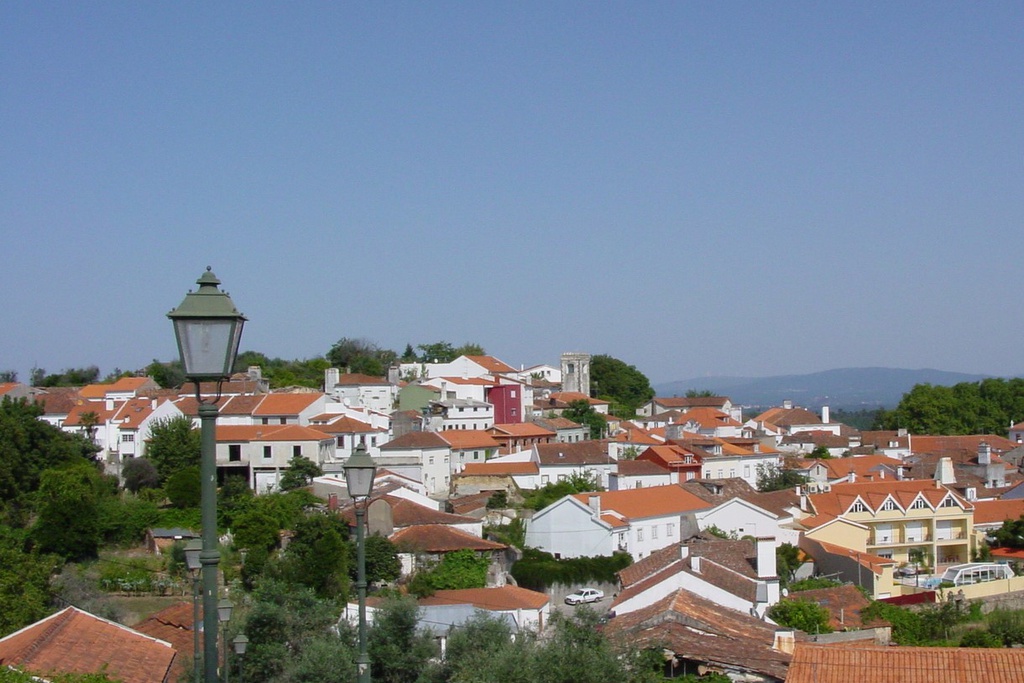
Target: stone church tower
{"points": [[576, 372]]}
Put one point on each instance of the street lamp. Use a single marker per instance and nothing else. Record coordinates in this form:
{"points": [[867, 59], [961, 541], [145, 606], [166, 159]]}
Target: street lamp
{"points": [[208, 328], [192, 551], [240, 642], [224, 607], [359, 473]]}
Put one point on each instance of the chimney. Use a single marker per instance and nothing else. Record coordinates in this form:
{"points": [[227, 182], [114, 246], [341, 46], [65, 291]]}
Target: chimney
{"points": [[595, 504], [787, 404], [332, 501], [684, 551], [785, 641], [984, 453], [331, 377], [944, 471], [824, 414], [766, 568], [852, 477]]}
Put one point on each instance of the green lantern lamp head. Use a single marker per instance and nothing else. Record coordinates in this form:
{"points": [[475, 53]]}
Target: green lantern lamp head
{"points": [[208, 328], [360, 471]]}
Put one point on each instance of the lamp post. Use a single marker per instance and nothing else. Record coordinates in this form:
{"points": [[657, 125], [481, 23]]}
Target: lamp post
{"points": [[224, 607], [208, 328], [192, 550], [359, 473], [240, 642]]}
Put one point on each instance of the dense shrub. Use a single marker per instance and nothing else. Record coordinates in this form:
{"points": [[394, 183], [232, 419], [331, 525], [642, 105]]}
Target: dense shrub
{"points": [[538, 569]]}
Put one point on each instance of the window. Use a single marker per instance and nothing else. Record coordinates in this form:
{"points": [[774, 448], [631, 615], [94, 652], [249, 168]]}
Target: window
{"points": [[858, 507], [266, 420], [690, 476], [654, 532], [746, 471], [732, 473], [267, 454], [707, 474], [670, 529], [720, 474], [296, 451], [948, 502], [918, 504], [127, 438], [889, 505], [639, 533]]}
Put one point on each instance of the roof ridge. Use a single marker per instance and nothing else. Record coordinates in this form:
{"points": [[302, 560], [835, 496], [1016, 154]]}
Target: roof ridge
{"points": [[60, 620]]}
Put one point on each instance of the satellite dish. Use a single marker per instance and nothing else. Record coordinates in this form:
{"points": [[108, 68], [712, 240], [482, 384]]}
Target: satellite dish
{"points": [[785, 592]]}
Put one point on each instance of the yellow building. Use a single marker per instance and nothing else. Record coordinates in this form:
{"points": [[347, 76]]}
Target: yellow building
{"points": [[902, 521]]}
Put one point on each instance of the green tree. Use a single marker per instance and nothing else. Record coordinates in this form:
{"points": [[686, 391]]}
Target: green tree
{"points": [[256, 528], [183, 488], [470, 349], [174, 445], [28, 446], [284, 623], [360, 356], [581, 412], [809, 617], [398, 651], [1010, 534], [456, 570], [787, 561], [25, 590], [68, 523], [623, 385], [438, 352], [168, 375], [382, 563], [139, 473], [775, 478], [69, 377], [300, 473], [820, 453], [317, 555], [699, 393]]}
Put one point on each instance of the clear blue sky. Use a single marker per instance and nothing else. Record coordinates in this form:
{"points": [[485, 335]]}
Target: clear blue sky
{"points": [[695, 188]]}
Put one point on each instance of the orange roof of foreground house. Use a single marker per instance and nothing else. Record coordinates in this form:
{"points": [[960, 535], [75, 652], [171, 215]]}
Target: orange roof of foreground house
{"points": [[709, 418], [469, 438], [342, 424], [74, 641], [862, 466], [269, 433], [174, 625], [521, 429], [492, 364], [497, 469], [874, 493], [997, 511], [968, 443], [82, 408], [286, 404], [652, 501], [441, 538], [495, 599], [125, 384], [570, 396], [813, 663]]}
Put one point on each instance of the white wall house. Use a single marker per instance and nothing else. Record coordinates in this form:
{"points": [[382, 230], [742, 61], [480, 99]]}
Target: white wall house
{"points": [[460, 414], [423, 456], [637, 521], [264, 452], [360, 391], [743, 518]]}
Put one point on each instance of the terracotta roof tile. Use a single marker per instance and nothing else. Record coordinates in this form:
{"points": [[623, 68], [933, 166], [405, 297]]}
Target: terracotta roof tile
{"points": [[440, 538], [469, 438], [286, 404], [269, 433], [579, 453], [814, 663], [653, 501], [73, 641], [416, 440], [522, 429], [495, 599], [997, 511], [492, 364]]}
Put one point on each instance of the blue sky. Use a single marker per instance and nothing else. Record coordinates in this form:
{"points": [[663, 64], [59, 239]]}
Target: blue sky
{"points": [[695, 188]]}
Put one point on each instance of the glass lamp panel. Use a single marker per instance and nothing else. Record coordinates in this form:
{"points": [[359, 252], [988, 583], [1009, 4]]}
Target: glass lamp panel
{"points": [[360, 480], [207, 345]]}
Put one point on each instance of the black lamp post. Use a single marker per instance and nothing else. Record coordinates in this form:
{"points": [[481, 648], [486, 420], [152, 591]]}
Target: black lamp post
{"points": [[224, 608], [192, 550], [208, 328], [359, 473], [240, 642]]}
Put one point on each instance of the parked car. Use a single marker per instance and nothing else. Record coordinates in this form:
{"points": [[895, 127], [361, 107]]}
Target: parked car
{"points": [[584, 595]]}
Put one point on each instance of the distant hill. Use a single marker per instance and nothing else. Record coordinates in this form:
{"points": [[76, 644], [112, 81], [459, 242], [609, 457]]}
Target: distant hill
{"points": [[847, 388]]}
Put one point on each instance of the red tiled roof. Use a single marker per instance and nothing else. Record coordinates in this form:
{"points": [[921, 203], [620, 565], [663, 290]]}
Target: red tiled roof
{"points": [[501, 599], [837, 501], [653, 501], [469, 438], [522, 429], [237, 433], [579, 453], [492, 364], [997, 511], [440, 538], [414, 440], [286, 404], [814, 663], [499, 468], [73, 641], [175, 626]]}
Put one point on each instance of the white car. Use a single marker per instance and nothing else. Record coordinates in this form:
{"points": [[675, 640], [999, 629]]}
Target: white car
{"points": [[584, 595]]}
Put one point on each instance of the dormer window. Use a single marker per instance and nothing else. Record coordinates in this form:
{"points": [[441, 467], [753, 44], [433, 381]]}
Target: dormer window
{"points": [[918, 504], [889, 505], [858, 507]]}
